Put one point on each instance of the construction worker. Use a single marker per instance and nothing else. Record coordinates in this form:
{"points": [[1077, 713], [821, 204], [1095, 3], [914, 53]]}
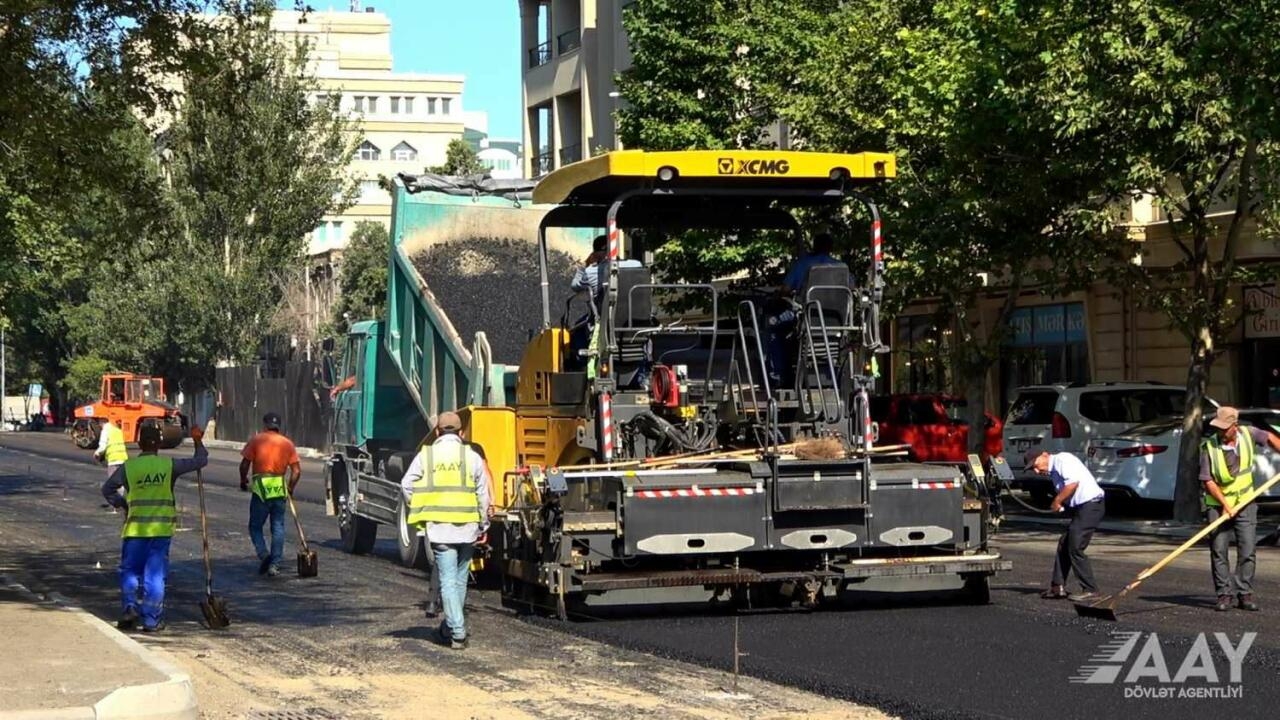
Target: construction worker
{"points": [[587, 280], [447, 490], [148, 499], [111, 448], [1080, 496], [269, 454], [1226, 471], [783, 310]]}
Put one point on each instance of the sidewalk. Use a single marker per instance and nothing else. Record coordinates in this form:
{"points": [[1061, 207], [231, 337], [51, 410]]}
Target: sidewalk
{"points": [[65, 663], [1152, 528]]}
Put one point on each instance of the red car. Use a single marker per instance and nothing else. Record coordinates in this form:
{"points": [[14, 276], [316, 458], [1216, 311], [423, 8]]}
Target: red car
{"points": [[932, 425]]}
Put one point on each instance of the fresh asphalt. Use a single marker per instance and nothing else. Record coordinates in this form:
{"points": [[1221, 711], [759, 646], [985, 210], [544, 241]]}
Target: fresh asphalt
{"points": [[923, 657]]}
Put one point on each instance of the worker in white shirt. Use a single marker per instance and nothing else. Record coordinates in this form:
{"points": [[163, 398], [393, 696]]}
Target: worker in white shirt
{"points": [[1082, 499]]}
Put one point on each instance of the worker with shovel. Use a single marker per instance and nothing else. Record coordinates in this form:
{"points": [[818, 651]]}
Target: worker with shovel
{"points": [[1226, 470], [269, 454], [1080, 496], [148, 481], [447, 488]]}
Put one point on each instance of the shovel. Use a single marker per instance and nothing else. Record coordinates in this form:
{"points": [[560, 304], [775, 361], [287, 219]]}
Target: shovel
{"points": [[308, 563], [213, 607], [1105, 608]]}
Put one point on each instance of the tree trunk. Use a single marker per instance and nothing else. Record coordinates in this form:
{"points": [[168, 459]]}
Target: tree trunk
{"points": [[975, 396], [1186, 495]]}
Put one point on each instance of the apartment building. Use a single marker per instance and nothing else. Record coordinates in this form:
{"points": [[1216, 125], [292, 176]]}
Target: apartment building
{"points": [[571, 51], [1102, 333], [406, 120]]}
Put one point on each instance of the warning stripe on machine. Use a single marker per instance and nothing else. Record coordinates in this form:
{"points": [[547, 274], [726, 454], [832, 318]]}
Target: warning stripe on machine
{"points": [[948, 485], [697, 492]]}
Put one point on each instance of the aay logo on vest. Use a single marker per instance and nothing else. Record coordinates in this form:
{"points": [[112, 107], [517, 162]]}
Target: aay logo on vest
{"points": [[153, 479], [728, 166]]}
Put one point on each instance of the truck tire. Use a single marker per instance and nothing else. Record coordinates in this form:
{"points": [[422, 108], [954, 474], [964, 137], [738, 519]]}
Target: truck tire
{"points": [[358, 533], [413, 548]]}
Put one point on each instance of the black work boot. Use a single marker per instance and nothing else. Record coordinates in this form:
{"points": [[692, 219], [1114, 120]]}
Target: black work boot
{"points": [[129, 619], [1224, 603], [1247, 603]]}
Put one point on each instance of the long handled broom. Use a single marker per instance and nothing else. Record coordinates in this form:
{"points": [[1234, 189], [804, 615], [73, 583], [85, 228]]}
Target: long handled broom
{"points": [[308, 563], [213, 607], [1105, 608]]}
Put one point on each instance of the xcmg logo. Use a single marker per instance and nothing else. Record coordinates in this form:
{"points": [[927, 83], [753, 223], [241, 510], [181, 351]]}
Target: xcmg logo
{"points": [[730, 166]]}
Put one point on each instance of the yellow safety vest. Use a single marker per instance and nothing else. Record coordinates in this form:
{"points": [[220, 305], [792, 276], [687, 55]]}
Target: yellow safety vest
{"points": [[1235, 486], [446, 492], [150, 497], [269, 487], [115, 452]]}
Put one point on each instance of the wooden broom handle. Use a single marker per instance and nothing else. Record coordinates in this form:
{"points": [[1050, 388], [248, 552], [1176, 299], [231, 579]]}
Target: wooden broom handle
{"points": [[1253, 495]]}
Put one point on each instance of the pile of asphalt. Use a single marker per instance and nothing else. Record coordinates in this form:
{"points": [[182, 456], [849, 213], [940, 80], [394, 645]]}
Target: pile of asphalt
{"points": [[492, 285]]}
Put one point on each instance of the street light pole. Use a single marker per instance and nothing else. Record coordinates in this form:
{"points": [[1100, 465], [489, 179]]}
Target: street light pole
{"points": [[3, 388]]}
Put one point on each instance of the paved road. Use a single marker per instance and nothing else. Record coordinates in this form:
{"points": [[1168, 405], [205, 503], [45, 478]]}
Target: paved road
{"points": [[930, 658]]}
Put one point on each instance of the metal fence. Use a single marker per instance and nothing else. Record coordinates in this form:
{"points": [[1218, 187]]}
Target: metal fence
{"points": [[298, 397]]}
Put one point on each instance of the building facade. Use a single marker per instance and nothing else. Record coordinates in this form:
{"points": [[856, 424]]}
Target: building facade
{"points": [[1103, 334], [570, 52], [406, 120]]}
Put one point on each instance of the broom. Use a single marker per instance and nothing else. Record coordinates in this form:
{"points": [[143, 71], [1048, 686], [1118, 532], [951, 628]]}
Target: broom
{"points": [[1105, 608]]}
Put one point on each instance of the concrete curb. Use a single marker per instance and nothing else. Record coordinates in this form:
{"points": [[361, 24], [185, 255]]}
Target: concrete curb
{"points": [[172, 699], [310, 453]]}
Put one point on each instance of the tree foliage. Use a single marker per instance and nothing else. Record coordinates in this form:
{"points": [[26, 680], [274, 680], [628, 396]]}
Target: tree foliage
{"points": [[459, 159], [362, 285]]}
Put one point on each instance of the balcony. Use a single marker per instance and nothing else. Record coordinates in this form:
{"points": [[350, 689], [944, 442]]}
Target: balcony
{"points": [[570, 154], [540, 164], [569, 41], [540, 55]]}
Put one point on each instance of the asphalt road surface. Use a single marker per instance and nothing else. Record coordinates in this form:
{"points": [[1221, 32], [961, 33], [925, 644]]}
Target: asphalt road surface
{"points": [[923, 657]]}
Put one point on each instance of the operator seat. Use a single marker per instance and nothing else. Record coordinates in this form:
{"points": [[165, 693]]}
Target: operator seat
{"points": [[631, 315], [827, 300]]}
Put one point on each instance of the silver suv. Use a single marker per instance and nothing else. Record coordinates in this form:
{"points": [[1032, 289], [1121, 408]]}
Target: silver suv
{"points": [[1062, 418]]}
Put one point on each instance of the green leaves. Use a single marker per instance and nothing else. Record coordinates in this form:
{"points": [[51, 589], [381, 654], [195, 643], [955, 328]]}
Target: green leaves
{"points": [[460, 159], [363, 283]]}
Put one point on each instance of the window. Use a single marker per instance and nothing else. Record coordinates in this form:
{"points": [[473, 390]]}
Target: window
{"points": [[335, 232], [370, 191], [444, 105], [920, 354], [369, 151], [371, 103], [1044, 344], [321, 234], [395, 104], [1033, 408], [404, 152], [408, 105], [357, 102], [1131, 406], [431, 106]]}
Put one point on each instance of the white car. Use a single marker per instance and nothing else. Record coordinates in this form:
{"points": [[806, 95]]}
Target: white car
{"points": [[1142, 462], [1063, 418]]}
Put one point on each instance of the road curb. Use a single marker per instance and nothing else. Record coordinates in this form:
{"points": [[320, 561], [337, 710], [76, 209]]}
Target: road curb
{"points": [[310, 453], [171, 699]]}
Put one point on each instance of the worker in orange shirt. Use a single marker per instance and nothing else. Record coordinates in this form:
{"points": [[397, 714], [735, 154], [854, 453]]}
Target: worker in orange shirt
{"points": [[269, 454]]}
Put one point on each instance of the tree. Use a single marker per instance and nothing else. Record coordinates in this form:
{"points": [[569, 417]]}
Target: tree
{"points": [[362, 287], [83, 380], [1186, 92], [986, 181], [459, 159], [252, 159]]}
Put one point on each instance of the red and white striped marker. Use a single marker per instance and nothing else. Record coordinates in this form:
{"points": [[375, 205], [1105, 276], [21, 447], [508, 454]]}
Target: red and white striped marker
{"points": [[877, 246], [696, 492], [606, 426], [868, 438], [939, 485], [614, 245]]}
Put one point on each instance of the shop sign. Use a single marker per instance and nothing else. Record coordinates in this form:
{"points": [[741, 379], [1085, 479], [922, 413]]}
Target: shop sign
{"points": [[1262, 316]]}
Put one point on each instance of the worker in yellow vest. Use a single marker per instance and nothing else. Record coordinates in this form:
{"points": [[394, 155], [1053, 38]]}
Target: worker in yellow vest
{"points": [[111, 448], [447, 490], [1226, 470], [148, 500]]}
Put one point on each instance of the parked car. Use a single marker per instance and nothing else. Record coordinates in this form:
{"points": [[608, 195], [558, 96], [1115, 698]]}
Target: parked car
{"points": [[933, 425], [1063, 418], [1142, 461]]}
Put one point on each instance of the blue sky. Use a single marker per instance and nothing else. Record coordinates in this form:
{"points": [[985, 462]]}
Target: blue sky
{"points": [[477, 38]]}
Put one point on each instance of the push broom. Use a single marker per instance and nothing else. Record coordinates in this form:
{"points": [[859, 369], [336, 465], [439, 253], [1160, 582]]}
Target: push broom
{"points": [[1105, 608]]}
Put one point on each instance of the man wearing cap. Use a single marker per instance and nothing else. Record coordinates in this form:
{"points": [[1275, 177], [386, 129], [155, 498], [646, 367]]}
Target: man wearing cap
{"points": [[1226, 470], [148, 500], [1080, 496], [447, 490], [269, 454]]}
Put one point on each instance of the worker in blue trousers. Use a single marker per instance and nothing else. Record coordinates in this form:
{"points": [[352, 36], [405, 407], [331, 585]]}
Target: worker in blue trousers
{"points": [[147, 481]]}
